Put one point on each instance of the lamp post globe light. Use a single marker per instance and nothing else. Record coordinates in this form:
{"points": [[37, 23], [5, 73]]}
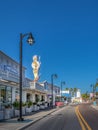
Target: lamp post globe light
{"points": [[62, 83], [53, 76], [30, 41]]}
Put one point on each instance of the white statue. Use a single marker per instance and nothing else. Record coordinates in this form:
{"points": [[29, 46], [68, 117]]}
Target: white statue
{"points": [[36, 65]]}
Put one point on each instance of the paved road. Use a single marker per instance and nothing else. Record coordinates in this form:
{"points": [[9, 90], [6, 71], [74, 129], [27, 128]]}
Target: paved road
{"points": [[64, 119], [90, 115], [80, 117]]}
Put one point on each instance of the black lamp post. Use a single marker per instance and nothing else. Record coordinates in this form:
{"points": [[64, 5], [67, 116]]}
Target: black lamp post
{"points": [[62, 83], [53, 76], [30, 41]]}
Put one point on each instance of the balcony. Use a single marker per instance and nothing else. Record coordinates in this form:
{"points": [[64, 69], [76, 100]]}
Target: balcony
{"points": [[9, 76], [37, 86]]}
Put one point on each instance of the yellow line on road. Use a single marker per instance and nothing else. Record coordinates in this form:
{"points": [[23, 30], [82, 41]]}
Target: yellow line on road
{"points": [[89, 128], [82, 126], [82, 119]]}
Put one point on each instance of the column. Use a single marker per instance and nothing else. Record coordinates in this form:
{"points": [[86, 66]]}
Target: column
{"points": [[13, 94], [24, 96]]}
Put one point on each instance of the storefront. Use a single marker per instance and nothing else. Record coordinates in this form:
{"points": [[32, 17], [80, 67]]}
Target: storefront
{"points": [[9, 80], [35, 93], [8, 93], [5, 93]]}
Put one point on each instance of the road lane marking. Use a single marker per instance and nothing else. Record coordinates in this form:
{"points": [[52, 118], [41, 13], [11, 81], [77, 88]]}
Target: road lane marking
{"points": [[82, 119], [82, 126], [89, 128]]}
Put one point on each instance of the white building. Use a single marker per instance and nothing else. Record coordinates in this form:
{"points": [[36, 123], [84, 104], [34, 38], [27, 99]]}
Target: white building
{"points": [[9, 83], [77, 97], [78, 94]]}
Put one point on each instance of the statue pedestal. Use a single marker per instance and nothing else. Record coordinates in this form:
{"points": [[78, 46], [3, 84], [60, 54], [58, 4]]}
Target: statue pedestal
{"points": [[32, 85]]}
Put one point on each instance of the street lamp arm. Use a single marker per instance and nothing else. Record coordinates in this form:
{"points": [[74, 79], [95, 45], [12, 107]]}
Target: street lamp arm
{"points": [[54, 76], [24, 35]]}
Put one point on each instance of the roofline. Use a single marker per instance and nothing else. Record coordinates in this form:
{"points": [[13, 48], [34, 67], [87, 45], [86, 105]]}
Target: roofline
{"points": [[11, 58]]}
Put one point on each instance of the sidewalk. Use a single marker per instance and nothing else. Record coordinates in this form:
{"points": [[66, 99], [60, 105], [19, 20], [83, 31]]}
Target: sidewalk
{"points": [[13, 124], [95, 106]]}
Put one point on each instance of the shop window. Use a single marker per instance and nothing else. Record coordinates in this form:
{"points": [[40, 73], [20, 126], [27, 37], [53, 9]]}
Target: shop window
{"points": [[17, 94], [28, 97], [2, 94], [36, 98], [5, 94], [8, 94], [42, 98]]}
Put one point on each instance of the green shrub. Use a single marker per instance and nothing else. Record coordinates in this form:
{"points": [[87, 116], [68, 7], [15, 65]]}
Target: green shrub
{"points": [[34, 103], [29, 103], [16, 104], [23, 104]]}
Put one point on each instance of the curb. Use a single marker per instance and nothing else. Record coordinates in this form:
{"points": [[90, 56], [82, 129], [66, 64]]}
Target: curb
{"points": [[95, 107], [32, 122]]}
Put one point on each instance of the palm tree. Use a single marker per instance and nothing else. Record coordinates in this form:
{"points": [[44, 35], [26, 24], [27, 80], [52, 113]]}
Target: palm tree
{"points": [[62, 83], [85, 96], [66, 89], [96, 85], [93, 87]]}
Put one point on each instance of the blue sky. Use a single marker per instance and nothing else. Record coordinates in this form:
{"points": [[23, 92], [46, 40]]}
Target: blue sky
{"points": [[66, 35]]}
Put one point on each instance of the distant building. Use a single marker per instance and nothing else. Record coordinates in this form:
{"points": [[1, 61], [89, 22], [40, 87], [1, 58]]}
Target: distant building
{"points": [[78, 93], [77, 98], [65, 92]]}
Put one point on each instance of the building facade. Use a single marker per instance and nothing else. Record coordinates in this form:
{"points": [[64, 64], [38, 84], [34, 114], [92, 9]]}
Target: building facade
{"points": [[9, 78], [9, 84]]}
